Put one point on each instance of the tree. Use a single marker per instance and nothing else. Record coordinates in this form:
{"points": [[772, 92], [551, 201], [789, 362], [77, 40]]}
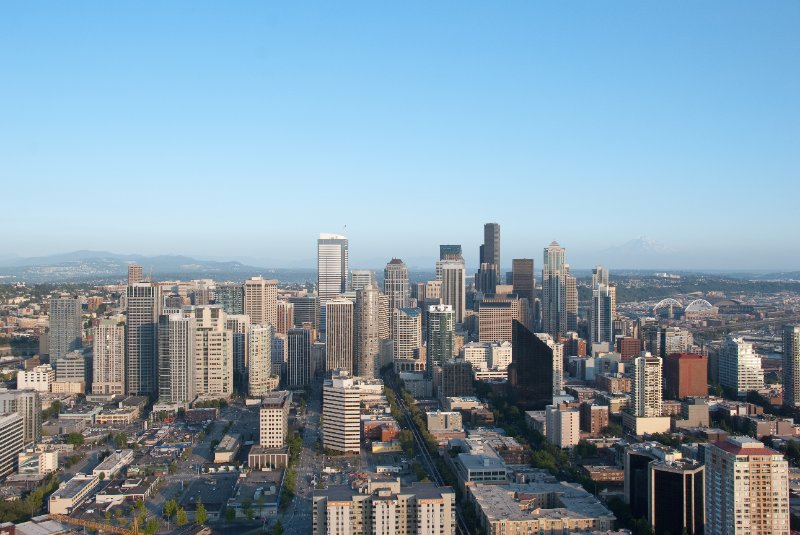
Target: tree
{"points": [[151, 526], [230, 514], [170, 508], [75, 439], [200, 514], [277, 529], [120, 440], [181, 519], [247, 507], [407, 442]]}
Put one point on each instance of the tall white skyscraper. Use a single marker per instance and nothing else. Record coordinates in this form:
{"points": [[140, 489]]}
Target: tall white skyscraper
{"points": [[791, 365], [395, 284], [559, 293], [739, 366], [176, 358], [361, 278], [213, 350], [261, 300], [407, 334], [453, 290], [259, 346], [66, 326], [333, 266], [647, 386], [109, 356]]}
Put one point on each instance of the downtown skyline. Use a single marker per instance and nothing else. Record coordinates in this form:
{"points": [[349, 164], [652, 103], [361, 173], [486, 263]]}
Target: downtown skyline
{"points": [[599, 124]]}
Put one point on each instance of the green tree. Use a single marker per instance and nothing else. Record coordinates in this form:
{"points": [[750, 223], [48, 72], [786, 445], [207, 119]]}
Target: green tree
{"points": [[230, 514], [200, 515], [151, 526], [181, 518], [102, 476], [277, 529], [120, 440], [75, 439], [170, 508], [247, 507]]}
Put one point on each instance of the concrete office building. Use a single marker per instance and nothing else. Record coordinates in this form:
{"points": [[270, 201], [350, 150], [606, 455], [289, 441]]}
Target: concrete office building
{"points": [[261, 300], [108, 366], [341, 412], [28, 405], [739, 366], [562, 425], [39, 378], [274, 419], [141, 339], [11, 442], [135, 274], [453, 288], [213, 351], [383, 507], [361, 278], [339, 335], [259, 345], [176, 357], [747, 489], [407, 334], [66, 326], [71, 368], [647, 393], [285, 317]]}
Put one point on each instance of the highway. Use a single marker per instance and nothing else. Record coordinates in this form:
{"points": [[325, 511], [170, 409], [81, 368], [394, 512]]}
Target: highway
{"points": [[422, 447]]}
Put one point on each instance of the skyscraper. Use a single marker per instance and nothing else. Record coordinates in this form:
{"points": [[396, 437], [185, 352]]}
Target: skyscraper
{"points": [[66, 326], [490, 250], [407, 334], [522, 277], [213, 351], [176, 358], [259, 347], [135, 274], [450, 252], [109, 356], [361, 278], [791, 365], [306, 310], [298, 358], [141, 342], [647, 386], [285, 317], [339, 335], [486, 278], [739, 366], [531, 372], [341, 411], [441, 327], [261, 300], [231, 297], [453, 290], [395, 284], [332, 266], [559, 295], [601, 326], [747, 489], [239, 326], [367, 318]]}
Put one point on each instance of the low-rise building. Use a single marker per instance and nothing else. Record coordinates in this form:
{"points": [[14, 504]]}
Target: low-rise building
{"points": [[39, 378], [228, 447], [444, 421], [113, 464], [538, 508], [267, 459], [72, 494]]}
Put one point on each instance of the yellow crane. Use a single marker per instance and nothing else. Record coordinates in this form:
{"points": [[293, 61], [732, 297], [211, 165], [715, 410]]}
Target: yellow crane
{"points": [[98, 526]]}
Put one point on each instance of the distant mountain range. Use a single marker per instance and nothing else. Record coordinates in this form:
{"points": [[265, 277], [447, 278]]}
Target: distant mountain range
{"points": [[103, 266]]}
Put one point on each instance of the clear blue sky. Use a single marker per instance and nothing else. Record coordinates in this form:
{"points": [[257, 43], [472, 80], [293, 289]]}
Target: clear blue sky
{"points": [[242, 130]]}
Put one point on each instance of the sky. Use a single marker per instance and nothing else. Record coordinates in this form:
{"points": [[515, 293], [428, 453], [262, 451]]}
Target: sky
{"points": [[241, 130]]}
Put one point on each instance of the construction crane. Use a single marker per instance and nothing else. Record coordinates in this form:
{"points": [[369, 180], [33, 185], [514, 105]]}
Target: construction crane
{"points": [[98, 526]]}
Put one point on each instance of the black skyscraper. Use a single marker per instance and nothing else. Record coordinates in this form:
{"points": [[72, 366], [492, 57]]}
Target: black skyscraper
{"points": [[530, 374]]}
